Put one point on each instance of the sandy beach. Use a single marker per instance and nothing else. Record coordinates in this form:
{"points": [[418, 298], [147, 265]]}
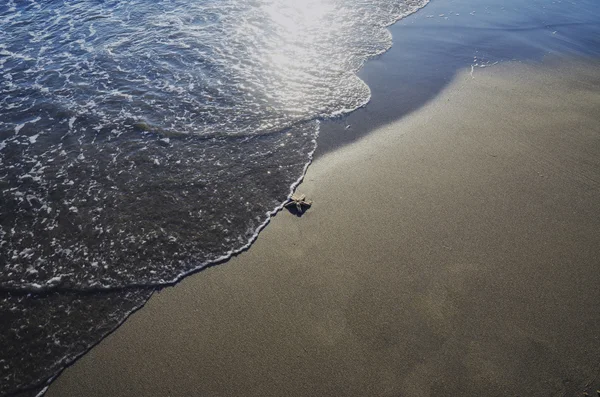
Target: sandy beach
{"points": [[454, 252]]}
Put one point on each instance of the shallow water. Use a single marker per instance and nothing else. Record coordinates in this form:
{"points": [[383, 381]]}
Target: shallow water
{"points": [[142, 141]]}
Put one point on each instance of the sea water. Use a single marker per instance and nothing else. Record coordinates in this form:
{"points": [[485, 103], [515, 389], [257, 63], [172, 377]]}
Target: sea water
{"points": [[141, 141]]}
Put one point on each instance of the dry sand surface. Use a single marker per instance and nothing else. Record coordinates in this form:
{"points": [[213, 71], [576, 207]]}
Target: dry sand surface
{"points": [[455, 252]]}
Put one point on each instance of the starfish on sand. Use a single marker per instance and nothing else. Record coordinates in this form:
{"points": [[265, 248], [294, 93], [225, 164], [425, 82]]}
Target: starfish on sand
{"points": [[299, 201]]}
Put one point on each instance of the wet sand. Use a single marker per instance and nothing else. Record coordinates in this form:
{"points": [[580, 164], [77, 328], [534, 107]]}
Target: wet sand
{"points": [[454, 252]]}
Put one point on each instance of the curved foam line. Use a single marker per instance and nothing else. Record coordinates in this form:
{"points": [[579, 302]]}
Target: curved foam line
{"points": [[55, 287], [206, 264]]}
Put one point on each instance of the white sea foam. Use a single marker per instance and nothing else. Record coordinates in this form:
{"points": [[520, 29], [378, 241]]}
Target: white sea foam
{"points": [[129, 94]]}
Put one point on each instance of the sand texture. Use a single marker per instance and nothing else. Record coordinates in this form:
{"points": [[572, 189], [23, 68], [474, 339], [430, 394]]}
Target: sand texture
{"points": [[455, 252]]}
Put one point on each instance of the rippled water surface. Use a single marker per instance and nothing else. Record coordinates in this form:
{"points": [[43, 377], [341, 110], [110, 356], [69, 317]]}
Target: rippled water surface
{"points": [[141, 140]]}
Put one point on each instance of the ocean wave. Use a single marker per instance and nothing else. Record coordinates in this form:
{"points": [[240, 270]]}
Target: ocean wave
{"points": [[140, 142]]}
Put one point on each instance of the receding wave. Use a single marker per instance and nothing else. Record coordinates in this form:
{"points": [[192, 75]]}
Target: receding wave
{"points": [[140, 141]]}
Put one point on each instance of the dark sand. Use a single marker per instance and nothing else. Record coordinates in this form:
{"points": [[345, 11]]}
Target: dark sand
{"points": [[455, 252]]}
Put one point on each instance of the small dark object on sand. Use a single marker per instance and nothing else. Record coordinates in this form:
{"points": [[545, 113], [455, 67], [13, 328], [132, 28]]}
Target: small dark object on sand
{"points": [[299, 202]]}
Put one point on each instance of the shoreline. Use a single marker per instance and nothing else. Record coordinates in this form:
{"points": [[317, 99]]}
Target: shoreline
{"points": [[434, 258], [401, 84]]}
